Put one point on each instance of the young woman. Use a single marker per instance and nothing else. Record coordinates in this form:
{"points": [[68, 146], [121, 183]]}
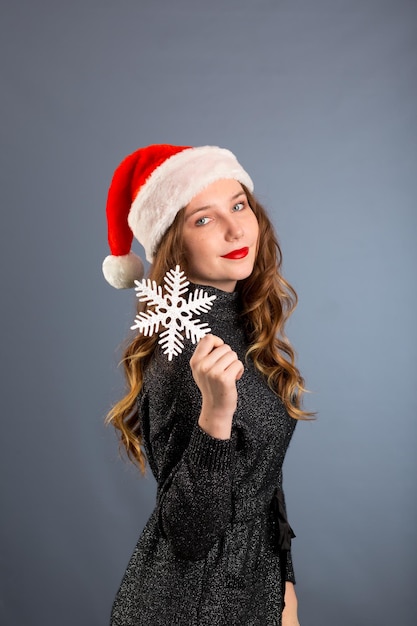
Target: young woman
{"points": [[214, 422]]}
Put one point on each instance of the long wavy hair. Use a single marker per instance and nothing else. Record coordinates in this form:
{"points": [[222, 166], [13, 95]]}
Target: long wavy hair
{"points": [[268, 301]]}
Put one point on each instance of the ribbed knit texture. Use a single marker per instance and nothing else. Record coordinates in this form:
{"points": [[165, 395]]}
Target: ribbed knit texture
{"points": [[206, 557], [212, 454]]}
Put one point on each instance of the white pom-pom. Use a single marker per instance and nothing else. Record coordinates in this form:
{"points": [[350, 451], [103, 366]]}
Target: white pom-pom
{"points": [[122, 271]]}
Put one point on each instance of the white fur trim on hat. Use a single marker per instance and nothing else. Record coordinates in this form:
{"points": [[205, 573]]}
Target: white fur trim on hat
{"points": [[122, 271], [173, 184]]}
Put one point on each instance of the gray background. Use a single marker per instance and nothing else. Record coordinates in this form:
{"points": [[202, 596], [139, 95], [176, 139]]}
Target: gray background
{"points": [[318, 100]]}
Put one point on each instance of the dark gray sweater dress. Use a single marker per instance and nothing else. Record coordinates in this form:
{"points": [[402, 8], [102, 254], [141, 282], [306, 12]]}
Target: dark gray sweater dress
{"points": [[209, 554]]}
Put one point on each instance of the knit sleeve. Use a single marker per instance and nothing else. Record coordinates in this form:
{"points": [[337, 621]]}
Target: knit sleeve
{"points": [[195, 502], [193, 470]]}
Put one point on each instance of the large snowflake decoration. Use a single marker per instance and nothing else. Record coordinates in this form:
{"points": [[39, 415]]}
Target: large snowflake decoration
{"points": [[172, 311]]}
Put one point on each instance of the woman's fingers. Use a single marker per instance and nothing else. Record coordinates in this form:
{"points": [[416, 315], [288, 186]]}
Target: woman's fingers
{"points": [[205, 346], [214, 358], [220, 363], [218, 360], [238, 370]]}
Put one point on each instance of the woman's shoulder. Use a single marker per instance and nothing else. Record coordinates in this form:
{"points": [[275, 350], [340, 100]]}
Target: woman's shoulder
{"points": [[163, 373], [169, 393]]}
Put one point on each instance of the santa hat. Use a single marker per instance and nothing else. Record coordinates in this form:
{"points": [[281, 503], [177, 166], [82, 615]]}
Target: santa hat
{"points": [[148, 189]]}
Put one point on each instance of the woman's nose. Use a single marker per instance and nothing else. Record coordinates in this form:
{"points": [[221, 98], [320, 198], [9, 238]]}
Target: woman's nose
{"points": [[234, 231]]}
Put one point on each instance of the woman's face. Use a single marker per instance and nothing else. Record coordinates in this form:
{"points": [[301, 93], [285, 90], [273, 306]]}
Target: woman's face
{"points": [[220, 236]]}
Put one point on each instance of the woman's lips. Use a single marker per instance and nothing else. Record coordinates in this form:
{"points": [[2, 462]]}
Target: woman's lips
{"points": [[237, 254]]}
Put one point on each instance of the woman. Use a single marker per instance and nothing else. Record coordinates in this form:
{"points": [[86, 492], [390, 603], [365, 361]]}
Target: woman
{"points": [[214, 422]]}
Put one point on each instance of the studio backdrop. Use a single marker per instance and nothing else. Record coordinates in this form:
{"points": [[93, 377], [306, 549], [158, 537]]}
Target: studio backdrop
{"points": [[318, 101]]}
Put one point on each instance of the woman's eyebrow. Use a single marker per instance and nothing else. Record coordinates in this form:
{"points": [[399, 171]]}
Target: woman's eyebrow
{"points": [[210, 206]]}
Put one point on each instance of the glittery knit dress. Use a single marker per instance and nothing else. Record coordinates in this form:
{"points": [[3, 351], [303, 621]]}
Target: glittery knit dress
{"points": [[207, 556]]}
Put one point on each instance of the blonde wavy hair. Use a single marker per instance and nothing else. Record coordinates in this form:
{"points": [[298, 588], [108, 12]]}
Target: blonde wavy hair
{"points": [[268, 301]]}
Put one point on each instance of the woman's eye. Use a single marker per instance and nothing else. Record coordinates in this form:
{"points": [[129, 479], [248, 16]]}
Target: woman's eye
{"points": [[202, 221], [239, 206]]}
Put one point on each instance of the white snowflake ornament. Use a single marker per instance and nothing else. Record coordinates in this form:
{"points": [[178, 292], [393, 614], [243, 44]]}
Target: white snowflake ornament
{"points": [[172, 311]]}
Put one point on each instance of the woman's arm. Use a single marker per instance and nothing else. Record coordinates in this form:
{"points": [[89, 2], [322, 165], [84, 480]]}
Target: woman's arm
{"points": [[193, 451], [289, 614], [195, 504]]}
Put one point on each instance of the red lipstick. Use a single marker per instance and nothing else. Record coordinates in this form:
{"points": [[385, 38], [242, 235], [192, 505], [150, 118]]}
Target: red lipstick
{"points": [[236, 254]]}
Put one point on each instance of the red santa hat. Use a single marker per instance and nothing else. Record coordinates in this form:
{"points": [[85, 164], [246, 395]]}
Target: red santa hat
{"points": [[148, 189]]}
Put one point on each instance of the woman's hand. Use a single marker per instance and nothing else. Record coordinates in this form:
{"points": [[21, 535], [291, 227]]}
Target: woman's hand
{"points": [[216, 368], [289, 614]]}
